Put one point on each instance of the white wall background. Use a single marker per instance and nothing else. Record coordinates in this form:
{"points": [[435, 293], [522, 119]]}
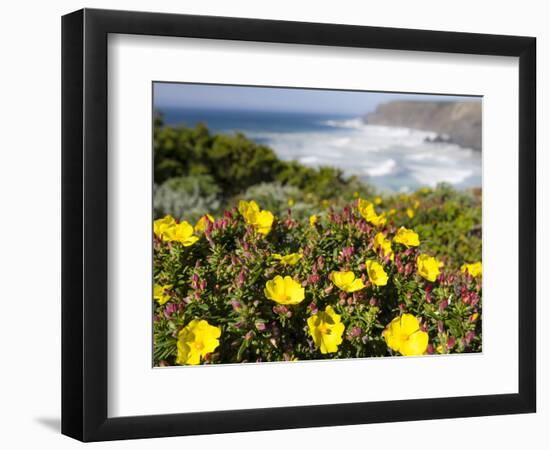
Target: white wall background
{"points": [[30, 225]]}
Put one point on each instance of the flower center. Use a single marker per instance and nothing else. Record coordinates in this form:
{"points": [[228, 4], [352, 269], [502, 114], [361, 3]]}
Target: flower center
{"points": [[323, 328], [199, 345]]}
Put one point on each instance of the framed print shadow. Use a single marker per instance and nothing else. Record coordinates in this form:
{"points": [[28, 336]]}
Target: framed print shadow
{"points": [[266, 225]]}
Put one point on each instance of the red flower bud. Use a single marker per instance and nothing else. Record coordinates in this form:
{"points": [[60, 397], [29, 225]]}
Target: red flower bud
{"points": [[356, 331], [236, 305]]}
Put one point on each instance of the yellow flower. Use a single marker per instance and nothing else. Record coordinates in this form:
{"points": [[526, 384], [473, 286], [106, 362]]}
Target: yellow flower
{"points": [[182, 233], [406, 237], [160, 294], [366, 209], [377, 200], [313, 220], [326, 330], [378, 220], [381, 243], [262, 221], [161, 226], [291, 202], [355, 194], [346, 281], [377, 274], [428, 267], [196, 340], [473, 269], [392, 212], [285, 290], [201, 225], [474, 317], [403, 335], [410, 213], [416, 204], [290, 259]]}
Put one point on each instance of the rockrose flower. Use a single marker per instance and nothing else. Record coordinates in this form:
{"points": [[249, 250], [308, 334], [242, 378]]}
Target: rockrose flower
{"points": [[182, 233], [313, 220], [284, 291], [428, 267], [381, 243], [288, 260], [196, 340], [377, 274], [473, 269], [202, 224], [406, 237], [160, 293], [326, 330], [403, 335], [366, 209], [262, 221], [346, 281], [161, 226]]}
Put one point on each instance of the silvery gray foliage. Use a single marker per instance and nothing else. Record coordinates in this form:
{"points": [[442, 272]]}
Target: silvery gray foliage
{"points": [[185, 198]]}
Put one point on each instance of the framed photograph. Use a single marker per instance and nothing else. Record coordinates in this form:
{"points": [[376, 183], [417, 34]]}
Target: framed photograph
{"points": [[273, 224]]}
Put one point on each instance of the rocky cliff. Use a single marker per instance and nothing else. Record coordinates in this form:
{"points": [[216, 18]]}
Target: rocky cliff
{"points": [[458, 122]]}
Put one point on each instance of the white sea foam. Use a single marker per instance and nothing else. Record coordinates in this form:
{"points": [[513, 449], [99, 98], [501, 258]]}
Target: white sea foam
{"points": [[392, 158], [385, 168]]}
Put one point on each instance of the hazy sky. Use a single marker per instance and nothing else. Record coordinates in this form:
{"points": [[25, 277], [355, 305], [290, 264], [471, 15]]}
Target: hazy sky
{"points": [[197, 96]]}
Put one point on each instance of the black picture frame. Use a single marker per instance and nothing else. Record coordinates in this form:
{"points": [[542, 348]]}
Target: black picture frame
{"points": [[84, 224]]}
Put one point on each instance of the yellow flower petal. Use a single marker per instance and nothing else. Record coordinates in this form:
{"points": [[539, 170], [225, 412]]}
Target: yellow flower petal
{"points": [[428, 267], [346, 281], [161, 226], [182, 233], [381, 243], [285, 290], [197, 339], [377, 274], [415, 345], [326, 330], [407, 237], [201, 225], [290, 259], [473, 269], [160, 294], [403, 335]]}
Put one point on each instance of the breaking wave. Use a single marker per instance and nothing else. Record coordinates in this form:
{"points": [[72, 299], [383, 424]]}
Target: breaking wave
{"points": [[391, 158]]}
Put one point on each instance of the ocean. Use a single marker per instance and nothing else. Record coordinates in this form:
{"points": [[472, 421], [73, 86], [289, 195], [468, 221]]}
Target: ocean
{"points": [[392, 159]]}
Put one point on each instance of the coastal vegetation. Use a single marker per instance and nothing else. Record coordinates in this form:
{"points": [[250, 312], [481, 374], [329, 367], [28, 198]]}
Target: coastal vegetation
{"points": [[258, 259]]}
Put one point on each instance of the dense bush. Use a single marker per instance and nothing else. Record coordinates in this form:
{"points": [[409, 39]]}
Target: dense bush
{"points": [[190, 196], [350, 281]]}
